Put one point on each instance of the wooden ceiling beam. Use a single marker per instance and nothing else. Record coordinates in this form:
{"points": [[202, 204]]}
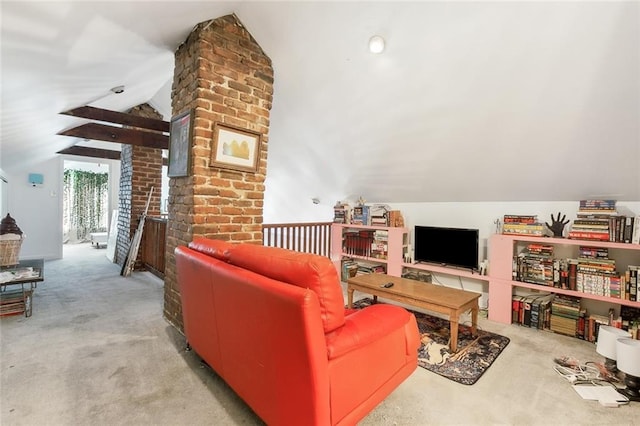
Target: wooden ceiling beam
{"points": [[85, 151], [106, 154], [129, 136], [125, 119]]}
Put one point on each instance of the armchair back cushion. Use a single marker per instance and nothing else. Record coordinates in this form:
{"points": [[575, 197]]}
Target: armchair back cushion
{"points": [[304, 270]]}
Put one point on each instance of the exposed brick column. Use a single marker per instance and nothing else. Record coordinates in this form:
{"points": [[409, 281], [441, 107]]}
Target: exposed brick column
{"points": [[140, 169], [221, 75]]}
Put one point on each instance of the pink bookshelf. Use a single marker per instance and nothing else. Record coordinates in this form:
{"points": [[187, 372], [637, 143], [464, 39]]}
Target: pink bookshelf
{"points": [[501, 284]]}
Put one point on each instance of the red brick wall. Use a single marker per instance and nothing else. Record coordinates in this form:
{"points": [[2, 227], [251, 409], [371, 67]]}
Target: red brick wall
{"points": [[221, 75], [140, 169]]}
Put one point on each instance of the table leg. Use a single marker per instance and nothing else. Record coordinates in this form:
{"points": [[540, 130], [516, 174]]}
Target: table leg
{"points": [[474, 320], [453, 321], [349, 297]]}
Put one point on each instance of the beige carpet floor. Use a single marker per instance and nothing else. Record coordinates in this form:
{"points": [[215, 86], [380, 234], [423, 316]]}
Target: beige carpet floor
{"points": [[97, 351]]}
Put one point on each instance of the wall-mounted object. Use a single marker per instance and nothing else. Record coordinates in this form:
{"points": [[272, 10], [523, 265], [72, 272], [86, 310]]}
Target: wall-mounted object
{"points": [[36, 179], [180, 145], [235, 148]]}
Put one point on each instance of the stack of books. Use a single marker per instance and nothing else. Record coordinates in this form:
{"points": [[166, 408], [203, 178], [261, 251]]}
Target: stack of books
{"points": [[364, 268], [597, 207], [341, 213], [535, 265], [565, 314], [379, 213], [594, 220], [352, 268], [522, 225]]}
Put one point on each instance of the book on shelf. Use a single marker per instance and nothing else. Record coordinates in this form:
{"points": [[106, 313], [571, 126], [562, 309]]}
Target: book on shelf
{"points": [[628, 229], [633, 279], [593, 252], [597, 204], [361, 215], [635, 233], [395, 218], [589, 235], [358, 242]]}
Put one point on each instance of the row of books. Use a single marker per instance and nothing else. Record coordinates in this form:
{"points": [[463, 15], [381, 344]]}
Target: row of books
{"points": [[375, 215], [615, 228], [563, 314], [366, 243], [593, 272]]}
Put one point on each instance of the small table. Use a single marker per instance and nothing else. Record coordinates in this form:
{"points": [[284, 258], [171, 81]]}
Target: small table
{"points": [[450, 301], [19, 300]]}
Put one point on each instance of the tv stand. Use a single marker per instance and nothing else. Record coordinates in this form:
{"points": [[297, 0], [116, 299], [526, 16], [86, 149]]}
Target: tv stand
{"points": [[397, 247], [443, 268]]}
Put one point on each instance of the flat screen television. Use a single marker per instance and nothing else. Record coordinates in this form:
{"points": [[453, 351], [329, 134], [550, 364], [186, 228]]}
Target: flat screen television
{"points": [[457, 247]]}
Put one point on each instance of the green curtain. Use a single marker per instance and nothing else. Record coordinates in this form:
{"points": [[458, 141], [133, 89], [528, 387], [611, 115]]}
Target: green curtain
{"points": [[85, 202]]}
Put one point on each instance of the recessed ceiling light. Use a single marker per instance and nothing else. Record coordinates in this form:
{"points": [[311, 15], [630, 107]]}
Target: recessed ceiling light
{"points": [[376, 44], [117, 89]]}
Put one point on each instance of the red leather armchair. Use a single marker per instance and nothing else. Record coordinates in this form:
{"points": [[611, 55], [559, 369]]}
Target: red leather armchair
{"points": [[272, 323]]}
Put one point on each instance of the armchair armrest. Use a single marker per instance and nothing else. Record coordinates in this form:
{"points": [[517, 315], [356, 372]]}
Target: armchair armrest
{"points": [[366, 326]]}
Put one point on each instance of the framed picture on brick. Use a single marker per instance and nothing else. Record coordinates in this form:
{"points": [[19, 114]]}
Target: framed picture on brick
{"points": [[235, 148], [180, 134]]}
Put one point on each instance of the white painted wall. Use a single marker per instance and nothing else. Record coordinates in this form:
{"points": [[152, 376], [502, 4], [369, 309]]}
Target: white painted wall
{"points": [[37, 210]]}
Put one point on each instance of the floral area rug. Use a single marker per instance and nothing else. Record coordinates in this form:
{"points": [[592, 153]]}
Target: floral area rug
{"points": [[475, 354]]}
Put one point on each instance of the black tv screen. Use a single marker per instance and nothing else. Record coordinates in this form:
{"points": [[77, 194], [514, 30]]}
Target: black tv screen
{"points": [[446, 246]]}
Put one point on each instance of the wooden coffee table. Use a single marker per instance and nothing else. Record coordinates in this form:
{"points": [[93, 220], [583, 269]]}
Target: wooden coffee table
{"points": [[445, 300]]}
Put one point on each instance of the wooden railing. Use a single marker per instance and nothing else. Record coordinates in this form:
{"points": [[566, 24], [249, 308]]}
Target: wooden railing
{"points": [[152, 246], [303, 237]]}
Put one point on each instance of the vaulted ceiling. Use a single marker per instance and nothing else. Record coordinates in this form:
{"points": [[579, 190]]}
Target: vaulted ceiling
{"points": [[471, 101]]}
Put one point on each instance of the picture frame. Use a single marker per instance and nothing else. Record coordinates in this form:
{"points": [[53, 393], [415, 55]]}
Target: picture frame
{"points": [[180, 136], [234, 148]]}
